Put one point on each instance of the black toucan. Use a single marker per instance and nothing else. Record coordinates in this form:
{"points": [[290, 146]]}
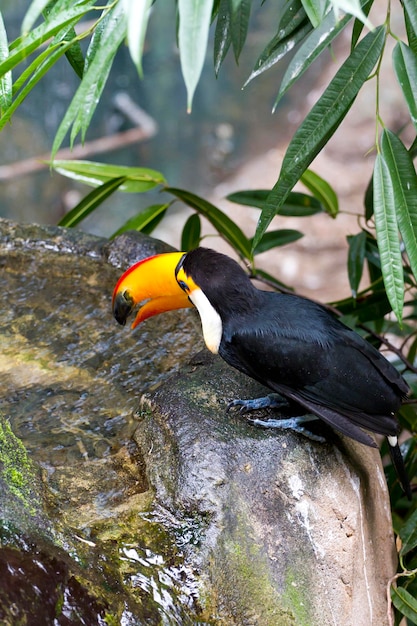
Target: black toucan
{"points": [[290, 344]]}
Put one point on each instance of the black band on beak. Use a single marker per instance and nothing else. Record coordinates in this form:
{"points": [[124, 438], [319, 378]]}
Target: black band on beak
{"points": [[122, 307]]}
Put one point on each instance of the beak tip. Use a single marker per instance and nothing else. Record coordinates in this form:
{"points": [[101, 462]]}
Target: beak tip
{"points": [[122, 308]]}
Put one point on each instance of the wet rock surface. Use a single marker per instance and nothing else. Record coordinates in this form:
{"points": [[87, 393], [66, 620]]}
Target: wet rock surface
{"points": [[292, 531], [74, 497], [168, 510]]}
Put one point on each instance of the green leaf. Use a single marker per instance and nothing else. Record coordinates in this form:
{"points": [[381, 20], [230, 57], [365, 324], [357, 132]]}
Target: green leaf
{"points": [[277, 238], [221, 222], [405, 603], [240, 13], [297, 204], [321, 190], [84, 103], [136, 179], [54, 24], [358, 25], [404, 189], [408, 534], [32, 74], [32, 14], [353, 7], [315, 10], [138, 12], [319, 40], [74, 54], [356, 259], [222, 35], [277, 51], [194, 24], [191, 233], [151, 215], [410, 7], [90, 202], [292, 17], [6, 79], [271, 280], [322, 121], [411, 33], [387, 236], [366, 308], [405, 66]]}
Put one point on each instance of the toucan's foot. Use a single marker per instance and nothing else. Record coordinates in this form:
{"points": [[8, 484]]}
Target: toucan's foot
{"points": [[272, 401], [293, 423]]}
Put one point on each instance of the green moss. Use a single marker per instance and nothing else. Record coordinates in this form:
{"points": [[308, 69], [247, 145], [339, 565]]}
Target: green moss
{"points": [[245, 580], [16, 469], [297, 595]]}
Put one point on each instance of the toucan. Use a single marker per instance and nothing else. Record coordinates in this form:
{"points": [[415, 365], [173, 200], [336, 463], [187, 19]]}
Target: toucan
{"points": [[290, 344]]}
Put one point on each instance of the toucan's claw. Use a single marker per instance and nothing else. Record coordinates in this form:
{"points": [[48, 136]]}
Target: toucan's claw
{"points": [[293, 423], [271, 401]]}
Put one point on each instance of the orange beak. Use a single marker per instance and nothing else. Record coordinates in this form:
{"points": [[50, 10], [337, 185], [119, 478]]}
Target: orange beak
{"points": [[151, 281]]}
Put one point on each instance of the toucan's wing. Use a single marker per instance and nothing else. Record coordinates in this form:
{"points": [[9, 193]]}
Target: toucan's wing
{"points": [[324, 366]]}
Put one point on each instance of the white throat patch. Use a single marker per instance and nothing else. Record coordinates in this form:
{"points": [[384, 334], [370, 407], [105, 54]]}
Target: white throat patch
{"points": [[210, 320]]}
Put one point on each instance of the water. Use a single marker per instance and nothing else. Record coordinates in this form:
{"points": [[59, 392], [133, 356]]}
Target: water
{"points": [[70, 385]]}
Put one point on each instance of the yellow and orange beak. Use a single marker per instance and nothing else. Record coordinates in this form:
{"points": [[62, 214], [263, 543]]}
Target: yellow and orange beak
{"points": [[153, 282]]}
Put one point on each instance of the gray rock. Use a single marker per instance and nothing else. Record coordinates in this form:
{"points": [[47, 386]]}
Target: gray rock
{"points": [[291, 531], [207, 520]]}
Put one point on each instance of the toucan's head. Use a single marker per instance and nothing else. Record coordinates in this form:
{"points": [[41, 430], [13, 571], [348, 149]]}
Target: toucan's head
{"points": [[204, 278], [151, 282]]}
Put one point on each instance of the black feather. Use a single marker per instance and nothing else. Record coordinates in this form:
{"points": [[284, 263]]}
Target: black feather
{"points": [[297, 348]]}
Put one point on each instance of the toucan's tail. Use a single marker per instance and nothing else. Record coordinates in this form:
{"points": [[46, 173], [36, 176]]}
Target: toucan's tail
{"points": [[398, 462]]}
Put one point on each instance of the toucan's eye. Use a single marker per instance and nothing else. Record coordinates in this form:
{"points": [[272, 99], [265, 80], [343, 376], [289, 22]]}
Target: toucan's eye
{"points": [[184, 286]]}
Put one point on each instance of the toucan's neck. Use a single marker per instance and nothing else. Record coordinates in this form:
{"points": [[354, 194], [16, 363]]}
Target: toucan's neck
{"points": [[222, 280]]}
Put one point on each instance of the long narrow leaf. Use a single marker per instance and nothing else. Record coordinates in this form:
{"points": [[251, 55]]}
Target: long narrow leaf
{"points": [[33, 74], [411, 33], [143, 219], [404, 189], [42, 33], [405, 603], [405, 66], [194, 24], [90, 202], [191, 233], [296, 205], [73, 53], [315, 10], [6, 79], [356, 259], [319, 40], [221, 222], [353, 7], [137, 12], [358, 25], [408, 534], [136, 179], [321, 190], [240, 13], [293, 27], [410, 6], [222, 34], [387, 236], [322, 121], [277, 238], [84, 103], [32, 14]]}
